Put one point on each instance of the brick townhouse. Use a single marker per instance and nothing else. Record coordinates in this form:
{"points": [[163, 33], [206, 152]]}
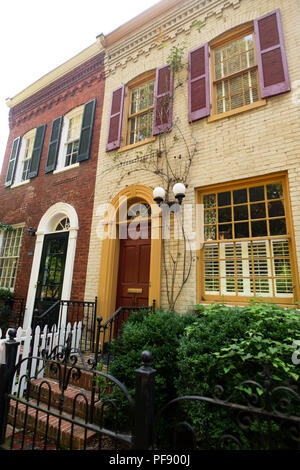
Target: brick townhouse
{"points": [[47, 183], [205, 94]]}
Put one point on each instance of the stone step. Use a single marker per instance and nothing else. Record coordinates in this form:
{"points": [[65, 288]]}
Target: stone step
{"points": [[53, 427], [85, 379], [76, 400]]}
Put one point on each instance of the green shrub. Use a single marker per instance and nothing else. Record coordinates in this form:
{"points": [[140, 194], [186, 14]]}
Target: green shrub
{"points": [[157, 332], [226, 346], [5, 294]]}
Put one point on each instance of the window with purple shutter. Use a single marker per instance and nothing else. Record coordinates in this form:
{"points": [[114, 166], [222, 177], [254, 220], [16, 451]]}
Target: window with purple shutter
{"points": [[163, 102], [115, 119], [271, 55], [199, 91]]}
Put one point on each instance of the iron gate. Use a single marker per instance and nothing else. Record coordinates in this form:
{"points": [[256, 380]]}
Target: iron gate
{"points": [[255, 416], [52, 414]]}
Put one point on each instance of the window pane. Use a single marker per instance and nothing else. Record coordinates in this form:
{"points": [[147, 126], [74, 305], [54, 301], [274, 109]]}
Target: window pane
{"points": [[210, 216], [224, 199], [277, 227], [209, 200], [210, 232], [239, 196], [225, 232], [258, 211], [241, 230], [257, 193], [276, 208], [259, 229], [224, 215], [274, 191], [241, 213]]}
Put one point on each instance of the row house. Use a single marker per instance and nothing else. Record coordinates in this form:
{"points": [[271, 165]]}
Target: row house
{"points": [[203, 94], [47, 183]]}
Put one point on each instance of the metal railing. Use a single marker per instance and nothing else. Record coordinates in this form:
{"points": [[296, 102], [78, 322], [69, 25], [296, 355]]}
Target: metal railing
{"points": [[112, 328], [71, 311]]}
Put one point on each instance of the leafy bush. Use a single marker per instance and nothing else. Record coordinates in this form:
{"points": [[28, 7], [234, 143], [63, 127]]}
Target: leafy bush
{"points": [[226, 346], [5, 294], [5, 311], [157, 332]]}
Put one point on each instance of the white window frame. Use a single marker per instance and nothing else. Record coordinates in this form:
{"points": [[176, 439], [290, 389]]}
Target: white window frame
{"points": [[23, 158], [61, 160], [12, 257]]}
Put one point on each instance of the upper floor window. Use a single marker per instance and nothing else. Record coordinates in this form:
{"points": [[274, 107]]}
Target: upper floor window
{"points": [[10, 245], [141, 109], [72, 142], [235, 74], [71, 137], [237, 71], [25, 156], [140, 118]]}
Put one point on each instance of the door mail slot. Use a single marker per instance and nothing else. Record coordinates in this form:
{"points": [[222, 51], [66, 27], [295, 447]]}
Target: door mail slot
{"points": [[134, 291]]}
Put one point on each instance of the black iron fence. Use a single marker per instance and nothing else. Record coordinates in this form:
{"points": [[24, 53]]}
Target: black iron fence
{"points": [[112, 328], [71, 311], [50, 415]]}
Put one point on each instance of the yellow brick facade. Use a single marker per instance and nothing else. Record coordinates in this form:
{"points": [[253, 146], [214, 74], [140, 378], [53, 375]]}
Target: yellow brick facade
{"points": [[257, 142]]}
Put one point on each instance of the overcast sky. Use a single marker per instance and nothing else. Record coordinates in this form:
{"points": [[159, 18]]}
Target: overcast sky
{"points": [[36, 36]]}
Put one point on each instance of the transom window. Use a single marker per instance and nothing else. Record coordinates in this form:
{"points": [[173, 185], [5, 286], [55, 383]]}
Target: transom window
{"points": [[140, 118], [72, 142], [246, 243], [235, 74], [63, 224], [137, 210], [10, 244]]}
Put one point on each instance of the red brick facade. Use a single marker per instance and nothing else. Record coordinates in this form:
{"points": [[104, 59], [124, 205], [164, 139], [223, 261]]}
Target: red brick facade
{"points": [[27, 203]]}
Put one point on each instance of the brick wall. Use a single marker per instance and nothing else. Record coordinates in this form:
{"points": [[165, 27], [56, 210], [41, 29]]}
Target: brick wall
{"points": [[27, 204]]}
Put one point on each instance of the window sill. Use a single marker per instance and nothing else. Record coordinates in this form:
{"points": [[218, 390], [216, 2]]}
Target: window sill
{"points": [[66, 168], [255, 105], [16, 185], [137, 144]]}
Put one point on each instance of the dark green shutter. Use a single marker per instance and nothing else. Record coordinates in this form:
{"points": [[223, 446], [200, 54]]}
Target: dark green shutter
{"points": [[86, 131], [37, 151], [12, 161], [53, 145]]}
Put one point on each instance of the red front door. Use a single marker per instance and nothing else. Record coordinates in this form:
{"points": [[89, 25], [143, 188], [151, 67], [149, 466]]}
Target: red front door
{"points": [[134, 269]]}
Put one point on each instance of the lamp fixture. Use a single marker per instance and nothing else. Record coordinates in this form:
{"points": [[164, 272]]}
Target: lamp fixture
{"points": [[31, 231], [159, 194]]}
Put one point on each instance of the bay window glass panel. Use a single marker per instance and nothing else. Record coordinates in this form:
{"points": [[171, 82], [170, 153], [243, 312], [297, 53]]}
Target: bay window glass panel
{"points": [[246, 248]]}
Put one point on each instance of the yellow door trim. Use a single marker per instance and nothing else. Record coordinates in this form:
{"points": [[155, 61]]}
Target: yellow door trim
{"points": [[109, 263]]}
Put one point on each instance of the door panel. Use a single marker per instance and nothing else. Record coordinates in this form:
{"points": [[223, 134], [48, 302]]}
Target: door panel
{"points": [[51, 273], [134, 270]]}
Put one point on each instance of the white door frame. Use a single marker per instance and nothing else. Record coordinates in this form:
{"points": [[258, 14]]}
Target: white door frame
{"points": [[47, 225]]}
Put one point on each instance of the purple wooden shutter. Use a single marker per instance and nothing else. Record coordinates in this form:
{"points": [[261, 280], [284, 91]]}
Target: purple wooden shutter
{"points": [[199, 90], [115, 119], [163, 101], [272, 62]]}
